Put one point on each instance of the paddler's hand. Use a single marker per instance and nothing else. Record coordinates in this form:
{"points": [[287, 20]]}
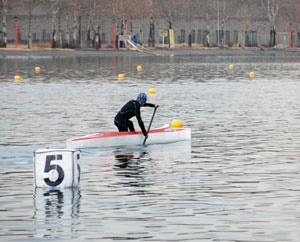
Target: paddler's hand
{"points": [[146, 136], [156, 106]]}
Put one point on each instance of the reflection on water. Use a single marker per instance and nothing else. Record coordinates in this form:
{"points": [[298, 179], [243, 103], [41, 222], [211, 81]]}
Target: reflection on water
{"points": [[236, 180], [132, 167], [125, 160], [56, 213]]}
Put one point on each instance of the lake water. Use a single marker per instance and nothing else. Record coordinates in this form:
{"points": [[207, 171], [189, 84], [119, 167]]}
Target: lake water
{"points": [[237, 180]]}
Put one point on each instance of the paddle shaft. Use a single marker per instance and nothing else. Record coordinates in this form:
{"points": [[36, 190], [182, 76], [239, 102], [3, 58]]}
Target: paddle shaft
{"points": [[149, 125]]}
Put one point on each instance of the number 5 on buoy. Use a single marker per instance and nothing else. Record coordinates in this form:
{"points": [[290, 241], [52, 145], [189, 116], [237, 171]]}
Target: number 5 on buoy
{"points": [[56, 168]]}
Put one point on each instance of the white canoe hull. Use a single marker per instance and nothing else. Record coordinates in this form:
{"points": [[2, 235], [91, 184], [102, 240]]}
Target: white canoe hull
{"points": [[120, 139]]}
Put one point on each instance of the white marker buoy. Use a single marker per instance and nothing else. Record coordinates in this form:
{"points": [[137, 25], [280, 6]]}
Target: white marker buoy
{"points": [[56, 168]]}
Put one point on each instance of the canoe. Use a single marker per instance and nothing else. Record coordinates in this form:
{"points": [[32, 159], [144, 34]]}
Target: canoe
{"points": [[161, 135]]}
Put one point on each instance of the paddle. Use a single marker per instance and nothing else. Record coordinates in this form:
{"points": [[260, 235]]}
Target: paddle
{"points": [[149, 125]]}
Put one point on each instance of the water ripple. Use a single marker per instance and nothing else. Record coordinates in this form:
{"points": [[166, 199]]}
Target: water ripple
{"points": [[237, 180]]}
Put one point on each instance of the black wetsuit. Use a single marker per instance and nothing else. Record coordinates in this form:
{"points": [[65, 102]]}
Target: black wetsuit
{"points": [[128, 111]]}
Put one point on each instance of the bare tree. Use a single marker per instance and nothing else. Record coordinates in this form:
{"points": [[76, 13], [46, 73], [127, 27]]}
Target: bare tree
{"points": [[154, 14], [172, 10], [271, 7], [226, 10], [203, 10], [207, 13], [248, 13], [54, 7], [98, 13], [134, 10], [62, 19], [30, 5], [74, 8]]}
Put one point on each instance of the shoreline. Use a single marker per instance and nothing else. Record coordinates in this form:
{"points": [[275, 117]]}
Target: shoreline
{"points": [[149, 52]]}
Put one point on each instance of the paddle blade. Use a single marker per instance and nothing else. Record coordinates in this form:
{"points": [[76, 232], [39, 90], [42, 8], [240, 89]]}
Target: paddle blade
{"points": [[144, 143]]}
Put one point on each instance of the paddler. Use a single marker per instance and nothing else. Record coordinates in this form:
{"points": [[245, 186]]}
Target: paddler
{"points": [[131, 109]]}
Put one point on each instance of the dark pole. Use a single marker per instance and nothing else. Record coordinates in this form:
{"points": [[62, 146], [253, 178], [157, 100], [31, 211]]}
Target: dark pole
{"points": [[16, 31], [291, 35], [113, 34]]}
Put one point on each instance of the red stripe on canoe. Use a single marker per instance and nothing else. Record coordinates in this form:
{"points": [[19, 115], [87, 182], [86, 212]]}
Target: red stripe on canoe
{"points": [[117, 133]]}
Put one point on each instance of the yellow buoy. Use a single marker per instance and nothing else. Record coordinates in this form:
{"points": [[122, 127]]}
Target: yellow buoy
{"points": [[121, 76], [37, 69], [176, 123], [231, 66], [17, 78], [139, 68], [251, 74], [152, 91]]}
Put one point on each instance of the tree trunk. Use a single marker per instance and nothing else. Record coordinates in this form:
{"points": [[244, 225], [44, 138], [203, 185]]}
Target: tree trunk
{"points": [[53, 39], [190, 40], [88, 37], [273, 37], [4, 31], [79, 32], [151, 41], [97, 39], [60, 43], [222, 39], [67, 43], [248, 22], [30, 29], [207, 41], [247, 42], [169, 39], [75, 26], [271, 8]]}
